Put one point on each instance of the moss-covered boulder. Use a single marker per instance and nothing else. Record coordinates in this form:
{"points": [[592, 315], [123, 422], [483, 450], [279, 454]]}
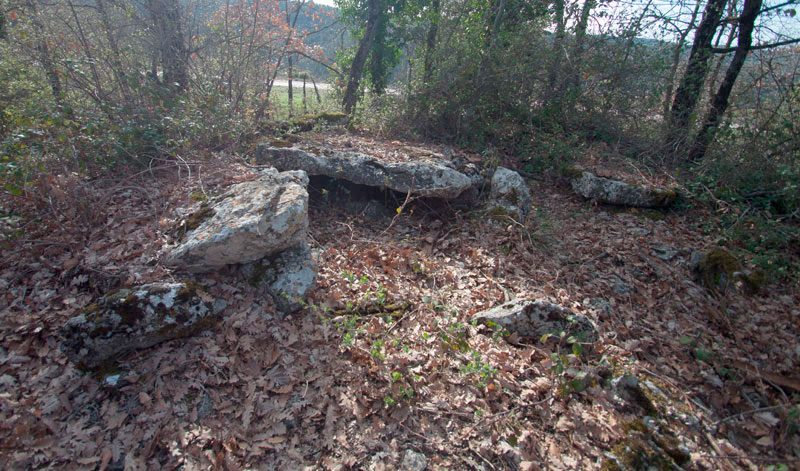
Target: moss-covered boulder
{"points": [[608, 191], [719, 269], [136, 318], [715, 269]]}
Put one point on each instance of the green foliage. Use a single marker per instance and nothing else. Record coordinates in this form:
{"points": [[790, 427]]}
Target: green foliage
{"points": [[479, 369]]}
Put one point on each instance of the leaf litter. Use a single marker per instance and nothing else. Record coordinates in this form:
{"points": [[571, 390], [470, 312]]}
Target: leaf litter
{"points": [[346, 384]]}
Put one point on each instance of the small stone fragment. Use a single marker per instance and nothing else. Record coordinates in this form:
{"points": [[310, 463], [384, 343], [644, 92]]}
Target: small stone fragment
{"points": [[509, 194], [413, 461], [287, 277], [529, 318]]}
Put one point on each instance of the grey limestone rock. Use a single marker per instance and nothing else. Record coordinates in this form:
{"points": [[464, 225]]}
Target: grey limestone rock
{"points": [[429, 177], [413, 461], [609, 191], [131, 319], [249, 222], [535, 318], [509, 193], [287, 277]]}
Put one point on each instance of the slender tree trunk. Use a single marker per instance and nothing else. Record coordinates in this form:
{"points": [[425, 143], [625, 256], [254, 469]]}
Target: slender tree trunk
{"points": [[316, 92], [289, 64], [430, 42], [305, 103], [119, 72], [574, 81], [712, 80], [719, 104], [554, 74], [44, 55], [364, 46], [676, 60], [97, 93], [166, 16], [688, 93], [291, 87]]}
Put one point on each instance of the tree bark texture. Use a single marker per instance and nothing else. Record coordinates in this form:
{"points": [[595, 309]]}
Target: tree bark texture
{"points": [[430, 41], [167, 19], [720, 101], [580, 41], [364, 46], [690, 88], [558, 46], [44, 55], [676, 60]]}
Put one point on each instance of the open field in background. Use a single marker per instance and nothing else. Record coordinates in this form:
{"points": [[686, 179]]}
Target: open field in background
{"points": [[280, 99]]}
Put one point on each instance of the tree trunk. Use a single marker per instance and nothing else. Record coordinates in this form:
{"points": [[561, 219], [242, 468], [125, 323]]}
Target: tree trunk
{"points": [[712, 80], [119, 70], [688, 93], [430, 42], [364, 47], [747, 21], [574, 81], [305, 103], [558, 46], [44, 55], [166, 17], [291, 85], [676, 60]]}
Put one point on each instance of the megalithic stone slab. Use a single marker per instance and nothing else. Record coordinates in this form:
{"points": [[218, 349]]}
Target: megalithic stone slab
{"points": [[429, 177], [248, 222]]}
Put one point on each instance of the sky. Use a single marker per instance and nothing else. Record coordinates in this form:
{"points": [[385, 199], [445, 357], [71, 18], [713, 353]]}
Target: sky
{"points": [[630, 10]]}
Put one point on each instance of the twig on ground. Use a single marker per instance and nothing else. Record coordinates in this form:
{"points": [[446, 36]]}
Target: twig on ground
{"points": [[400, 210]]}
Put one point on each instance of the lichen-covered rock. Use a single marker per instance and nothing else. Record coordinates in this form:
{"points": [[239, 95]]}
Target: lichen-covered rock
{"points": [[287, 277], [413, 461], [609, 191], [429, 178], [509, 194], [131, 319], [250, 221], [535, 318]]}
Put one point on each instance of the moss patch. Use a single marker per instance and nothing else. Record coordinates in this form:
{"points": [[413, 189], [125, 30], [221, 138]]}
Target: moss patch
{"points": [[259, 270], [280, 143], [198, 196], [331, 116], [193, 221], [645, 449], [716, 269], [664, 197], [571, 172]]}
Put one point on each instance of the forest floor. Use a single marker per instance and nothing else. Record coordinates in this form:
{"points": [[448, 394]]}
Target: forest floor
{"points": [[347, 384]]}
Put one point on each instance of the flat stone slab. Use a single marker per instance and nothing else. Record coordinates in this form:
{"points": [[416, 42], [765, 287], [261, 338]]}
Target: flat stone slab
{"points": [[608, 191], [429, 178], [287, 277], [535, 318], [132, 319], [248, 222]]}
